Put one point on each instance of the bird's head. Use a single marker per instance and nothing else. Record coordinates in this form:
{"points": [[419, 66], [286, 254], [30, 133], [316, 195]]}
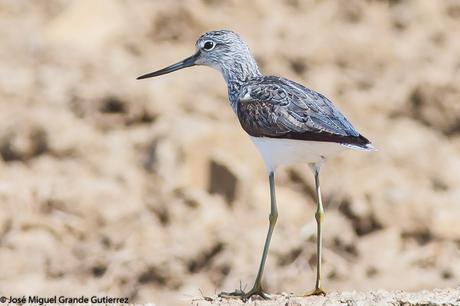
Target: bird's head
{"points": [[223, 50]]}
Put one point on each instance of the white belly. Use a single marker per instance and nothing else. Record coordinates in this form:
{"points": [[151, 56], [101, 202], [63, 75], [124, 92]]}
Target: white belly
{"points": [[277, 151]]}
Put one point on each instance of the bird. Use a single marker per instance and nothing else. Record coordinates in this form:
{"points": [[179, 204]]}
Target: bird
{"points": [[288, 123]]}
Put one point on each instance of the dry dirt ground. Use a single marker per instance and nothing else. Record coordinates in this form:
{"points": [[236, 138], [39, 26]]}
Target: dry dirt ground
{"points": [[437, 297], [151, 190]]}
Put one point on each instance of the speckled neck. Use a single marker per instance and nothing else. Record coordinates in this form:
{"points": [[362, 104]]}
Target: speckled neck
{"points": [[236, 75]]}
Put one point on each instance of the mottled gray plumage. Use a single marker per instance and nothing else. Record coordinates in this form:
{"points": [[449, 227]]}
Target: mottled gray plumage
{"points": [[269, 106], [276, 107]]}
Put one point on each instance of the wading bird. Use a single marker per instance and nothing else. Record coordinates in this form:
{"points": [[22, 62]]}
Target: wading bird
{"points": [[287, 122]]}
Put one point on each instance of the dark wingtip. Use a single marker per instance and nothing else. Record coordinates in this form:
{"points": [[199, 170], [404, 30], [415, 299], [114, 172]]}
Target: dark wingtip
{"points": [[363, 140], [365, 143]]}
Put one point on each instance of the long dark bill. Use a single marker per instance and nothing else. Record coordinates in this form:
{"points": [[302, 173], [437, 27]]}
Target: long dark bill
{"points": [[188, 62]]}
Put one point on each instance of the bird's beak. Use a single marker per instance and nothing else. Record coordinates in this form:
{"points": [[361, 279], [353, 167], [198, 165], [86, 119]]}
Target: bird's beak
{"points": [[188, 62]]}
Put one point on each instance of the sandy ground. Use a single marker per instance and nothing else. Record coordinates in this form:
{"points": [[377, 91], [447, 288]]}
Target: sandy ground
{"points": [[437, 297], [152, 191]]}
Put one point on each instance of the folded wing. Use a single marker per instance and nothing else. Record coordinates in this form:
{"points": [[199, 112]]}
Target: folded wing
{"points": [[279, 108]]}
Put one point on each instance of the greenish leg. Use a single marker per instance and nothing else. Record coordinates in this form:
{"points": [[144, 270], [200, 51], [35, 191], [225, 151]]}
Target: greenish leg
{"points": [[272, 218], [257, 288], [319, 216]]}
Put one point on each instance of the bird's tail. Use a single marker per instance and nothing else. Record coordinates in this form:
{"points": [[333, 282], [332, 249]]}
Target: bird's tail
{"points": [[365, 145]]}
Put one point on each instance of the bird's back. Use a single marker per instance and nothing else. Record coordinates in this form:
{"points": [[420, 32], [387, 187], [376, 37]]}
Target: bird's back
{"points": [[275, 107]]}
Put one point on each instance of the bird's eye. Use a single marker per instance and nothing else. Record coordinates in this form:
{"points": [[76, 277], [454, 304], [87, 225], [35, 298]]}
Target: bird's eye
{"points": [[209, 45]]}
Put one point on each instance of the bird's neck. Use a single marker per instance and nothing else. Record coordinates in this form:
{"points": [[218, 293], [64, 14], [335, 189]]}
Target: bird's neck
{"points": [[238, 73]]}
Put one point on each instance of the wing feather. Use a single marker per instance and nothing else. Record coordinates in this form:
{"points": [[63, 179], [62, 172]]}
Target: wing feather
{"points": [[279, 108]]}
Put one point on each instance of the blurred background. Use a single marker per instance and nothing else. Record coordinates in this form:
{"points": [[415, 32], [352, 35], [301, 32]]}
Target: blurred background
{"points": [[151, 190]]}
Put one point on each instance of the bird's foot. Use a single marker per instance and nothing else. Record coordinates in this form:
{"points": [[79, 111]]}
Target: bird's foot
{"points": [[244, 296], [316, 291]]}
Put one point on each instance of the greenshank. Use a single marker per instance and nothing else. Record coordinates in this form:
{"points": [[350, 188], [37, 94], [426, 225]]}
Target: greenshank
{"points": [[287, 122]]}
